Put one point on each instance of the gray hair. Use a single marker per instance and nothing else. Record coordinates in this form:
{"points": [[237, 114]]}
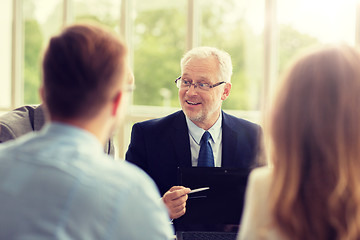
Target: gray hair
{"points": [[224, 59]]}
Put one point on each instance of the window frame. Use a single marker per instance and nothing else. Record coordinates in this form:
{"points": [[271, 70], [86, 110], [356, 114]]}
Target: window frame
{"points": [[137, 113]]}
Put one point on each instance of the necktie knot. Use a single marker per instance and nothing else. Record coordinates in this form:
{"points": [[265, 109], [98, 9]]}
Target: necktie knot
{"points": [[205, 137]]}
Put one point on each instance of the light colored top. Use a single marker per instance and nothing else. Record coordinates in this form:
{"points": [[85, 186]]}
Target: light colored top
{"points": [[255, 222], [195, 134], [59, 184]]}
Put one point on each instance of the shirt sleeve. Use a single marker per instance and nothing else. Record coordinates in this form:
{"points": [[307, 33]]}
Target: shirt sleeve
{"points": [[6, 133], [255, 220], [148, 217]]}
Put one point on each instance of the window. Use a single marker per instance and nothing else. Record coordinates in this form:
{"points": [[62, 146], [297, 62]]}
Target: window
{"points": [[237, 27], [159, 41], [306, 23], [42, 19], [5, 56], [106, 12], [159, 32]]}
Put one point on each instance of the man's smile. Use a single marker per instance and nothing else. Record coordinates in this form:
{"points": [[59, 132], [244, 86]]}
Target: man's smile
{"points": [[192, 103]]}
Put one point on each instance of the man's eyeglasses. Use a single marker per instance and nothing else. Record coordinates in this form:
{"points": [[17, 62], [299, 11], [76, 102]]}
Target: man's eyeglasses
{"points": [[181, 84]]}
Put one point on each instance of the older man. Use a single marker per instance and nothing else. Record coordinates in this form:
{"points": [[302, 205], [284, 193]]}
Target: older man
{"points": [[199, 135]]}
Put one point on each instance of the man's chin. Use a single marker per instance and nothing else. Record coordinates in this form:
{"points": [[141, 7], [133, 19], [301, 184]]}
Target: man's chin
{"points": [[195, 117]]}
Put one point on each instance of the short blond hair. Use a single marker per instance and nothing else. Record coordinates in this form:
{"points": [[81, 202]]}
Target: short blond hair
{"points": [[223, 58]]}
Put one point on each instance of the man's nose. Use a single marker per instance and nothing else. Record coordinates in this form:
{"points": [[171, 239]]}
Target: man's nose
{"points": [[192, 90]]}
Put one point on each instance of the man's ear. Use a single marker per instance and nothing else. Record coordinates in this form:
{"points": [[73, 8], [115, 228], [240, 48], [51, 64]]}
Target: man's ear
{"points": [[226, 92], [116, 103]]}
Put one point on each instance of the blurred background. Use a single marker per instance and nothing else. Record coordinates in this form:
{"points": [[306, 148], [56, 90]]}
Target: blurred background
{"points": [[262, 36]]}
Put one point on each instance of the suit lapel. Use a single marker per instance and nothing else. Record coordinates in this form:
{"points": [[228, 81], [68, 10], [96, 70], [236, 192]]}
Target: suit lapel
{"points": [[181, 141], [39, 118], [229, 143]]}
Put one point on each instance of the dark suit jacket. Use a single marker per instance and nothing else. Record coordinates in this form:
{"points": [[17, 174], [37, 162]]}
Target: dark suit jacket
{"points": [[26, 119], [160, 146]]}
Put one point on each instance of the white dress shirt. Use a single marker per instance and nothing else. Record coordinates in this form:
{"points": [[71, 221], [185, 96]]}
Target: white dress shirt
{"points": [[195, 134]]}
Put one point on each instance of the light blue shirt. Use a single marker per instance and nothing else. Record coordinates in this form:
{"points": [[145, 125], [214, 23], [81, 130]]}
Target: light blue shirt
{"points": [[59, 184], [195, 135]]}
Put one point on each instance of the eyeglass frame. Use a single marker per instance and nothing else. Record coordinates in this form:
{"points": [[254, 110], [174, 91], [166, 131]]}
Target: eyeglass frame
{"points": [[197, 84]]}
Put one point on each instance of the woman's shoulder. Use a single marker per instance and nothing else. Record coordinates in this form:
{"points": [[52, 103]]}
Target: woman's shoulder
{"points": [[261, 173], [260, 181]]}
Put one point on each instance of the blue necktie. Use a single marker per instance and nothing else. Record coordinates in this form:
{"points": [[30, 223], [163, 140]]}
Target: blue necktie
{"points": [[206, 157]]}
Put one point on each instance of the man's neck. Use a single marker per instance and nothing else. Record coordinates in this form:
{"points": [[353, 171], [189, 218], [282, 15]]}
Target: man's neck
{"points": [[90, 125]]}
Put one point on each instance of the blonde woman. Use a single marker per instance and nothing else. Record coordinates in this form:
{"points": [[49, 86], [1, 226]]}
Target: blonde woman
{"points": [[313, 189]]}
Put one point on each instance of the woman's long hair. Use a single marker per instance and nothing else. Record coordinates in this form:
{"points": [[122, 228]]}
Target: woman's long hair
{"points": [[314, 135]]}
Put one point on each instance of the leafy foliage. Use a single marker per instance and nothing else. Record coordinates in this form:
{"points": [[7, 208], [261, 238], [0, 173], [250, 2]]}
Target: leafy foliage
{"points": [[159, 43], [32, 67], [291, 42]]}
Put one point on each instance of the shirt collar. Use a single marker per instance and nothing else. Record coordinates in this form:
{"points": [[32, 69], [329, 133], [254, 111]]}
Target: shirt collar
{"points": [[196, 132], [82, 138]]}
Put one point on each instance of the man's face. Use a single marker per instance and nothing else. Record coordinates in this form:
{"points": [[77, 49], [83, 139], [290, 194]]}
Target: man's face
{"points": [[203, 107]]}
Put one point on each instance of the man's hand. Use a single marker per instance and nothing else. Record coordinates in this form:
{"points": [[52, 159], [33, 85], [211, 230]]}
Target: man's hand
{"points": [[175, 200]]}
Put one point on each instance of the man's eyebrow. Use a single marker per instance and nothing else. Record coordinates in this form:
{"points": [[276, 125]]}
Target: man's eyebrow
{"points": [[201, 78]]}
